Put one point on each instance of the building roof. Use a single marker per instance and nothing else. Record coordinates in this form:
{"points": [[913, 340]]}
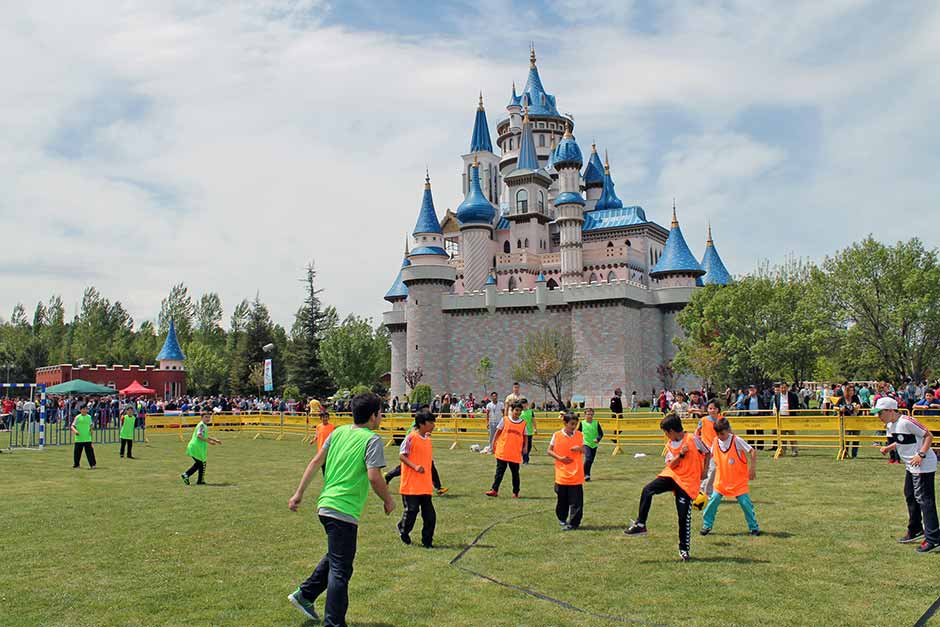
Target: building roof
{"points": [[676, 256], [612, 218], [567, 154], [427, 217], [715, 271], [515, 100], [594, 172], [540, 278], [567, 198], [171, 350], [399, 290], [534, 95], [491, 280], [429, 250], [475, 208], [503, 223], [480, 141], [608, 199], [528, 159]]}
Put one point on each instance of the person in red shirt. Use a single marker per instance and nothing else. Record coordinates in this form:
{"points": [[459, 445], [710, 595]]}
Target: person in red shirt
{"points": [[686, 460], [567, 449]]}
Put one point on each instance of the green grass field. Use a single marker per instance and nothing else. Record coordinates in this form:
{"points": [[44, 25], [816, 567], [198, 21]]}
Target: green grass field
{"points": [[128, 544]]}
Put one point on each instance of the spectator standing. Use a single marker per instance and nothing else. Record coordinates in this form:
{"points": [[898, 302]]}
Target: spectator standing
{"points": [[616, 404], [785, 402], [753, 405], [850, 405]]}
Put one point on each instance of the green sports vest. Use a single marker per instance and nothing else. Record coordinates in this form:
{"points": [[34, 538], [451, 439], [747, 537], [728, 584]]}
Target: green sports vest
{"points": [[590, 432], [198, 449], [127, 427], [528, 415], [83, 426], [346, 484]]}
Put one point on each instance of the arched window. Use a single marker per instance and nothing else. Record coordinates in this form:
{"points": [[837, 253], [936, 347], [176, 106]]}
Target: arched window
{"points": [[628, 243], [552, 284], [610, 244], [512, 283], [611, 277], [527, 242], [541, 201], [518, 244], [593, 278], [506, 247], [522, 201], [541, 140]]}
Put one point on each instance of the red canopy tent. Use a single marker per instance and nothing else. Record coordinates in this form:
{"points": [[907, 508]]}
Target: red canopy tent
{"points": [[136, 389]]}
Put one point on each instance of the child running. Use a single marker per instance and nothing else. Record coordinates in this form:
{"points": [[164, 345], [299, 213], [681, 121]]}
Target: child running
{"points": [[684, 471], [510, 447], [354, 460], [416, 487], [435, 477], [81, 428], [127, 430], [567, 449], [198, 449], [593, 434], [734, 461], [323, 431], [706, 433]]}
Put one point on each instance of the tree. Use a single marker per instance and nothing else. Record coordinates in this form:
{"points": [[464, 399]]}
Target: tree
{"points": [[484, 374], [891, 294], [256, 376], [412, 377], [547, 360], [178, 306], [208, 315], [353, 353], [312, 322], [422, 394], [249, 351], [205, 369]]}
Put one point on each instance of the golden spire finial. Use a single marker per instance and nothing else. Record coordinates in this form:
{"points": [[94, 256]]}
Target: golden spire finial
{"points": [[675, 221], [427, 178], [567, 129], [532, 53], [606, 163], [525, 114], [593, 146], [476, 163], [481, 100], [709, 241]]}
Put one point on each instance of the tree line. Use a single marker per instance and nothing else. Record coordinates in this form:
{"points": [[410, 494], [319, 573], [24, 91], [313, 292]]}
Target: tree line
{"points": [[318, 355]]}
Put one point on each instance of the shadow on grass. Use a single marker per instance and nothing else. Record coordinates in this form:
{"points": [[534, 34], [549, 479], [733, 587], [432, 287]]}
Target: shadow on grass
{"points": [[718, 559], [602, 527], [536, 498], [224, 484]]}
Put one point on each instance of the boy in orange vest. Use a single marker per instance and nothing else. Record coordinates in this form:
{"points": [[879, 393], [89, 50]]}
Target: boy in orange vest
{"points": [[567, 449], [735, 462], [706, 433], [323, 431], [416, 485], [510, 445], [686, 457]]}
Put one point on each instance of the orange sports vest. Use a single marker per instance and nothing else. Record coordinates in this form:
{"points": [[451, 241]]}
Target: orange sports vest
{"points": [[708, 434], [323, 431], [413, 482], [731, 470], [572, 473], [688, 474], [510, 441]]}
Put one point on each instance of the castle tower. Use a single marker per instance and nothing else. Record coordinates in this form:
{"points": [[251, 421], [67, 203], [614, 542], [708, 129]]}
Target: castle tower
{"points": [[397, 295], [593, 175], [528, 187], [677, 266], [481, 152], [475, 215], [171, 357], [570, 208], [608, 198], [428, 277], [715, 271], [514, 108]]}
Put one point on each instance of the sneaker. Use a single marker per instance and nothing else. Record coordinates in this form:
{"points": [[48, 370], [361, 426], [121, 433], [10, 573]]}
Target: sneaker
{"points": [[910, 539], [635, 529], [428, 545], [755, 532], [297, 600], [926, 547], [186, 480], [568, 528], [405, 538], [441, 491], [684, 555], [200, 483], [493, 493], [587, 477], [515, 495], [705, 531]]}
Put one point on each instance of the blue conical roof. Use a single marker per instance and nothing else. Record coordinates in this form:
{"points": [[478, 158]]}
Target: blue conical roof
{"points": [[475, 208], [528, 159], [427, 217], [515, 100], [171, 350], [594, 172], [715, 271], [540, 278], [480, 141], [534, 95], [676, 255], [568, 154], [608, 199], [491, 280], [399, 290]]}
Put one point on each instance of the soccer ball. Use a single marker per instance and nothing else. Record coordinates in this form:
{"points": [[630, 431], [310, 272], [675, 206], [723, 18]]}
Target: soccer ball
{"points": [[475, 448]]}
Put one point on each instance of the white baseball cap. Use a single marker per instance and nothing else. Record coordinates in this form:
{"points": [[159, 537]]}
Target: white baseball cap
{"points": [[885, 402]]}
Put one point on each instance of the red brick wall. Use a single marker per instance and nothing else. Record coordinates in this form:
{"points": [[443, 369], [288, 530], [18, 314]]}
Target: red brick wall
{"points": [[117, 376]]}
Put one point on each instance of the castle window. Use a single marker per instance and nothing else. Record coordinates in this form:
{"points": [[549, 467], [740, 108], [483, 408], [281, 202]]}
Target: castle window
{"points": [[610, 244], [541, 124], [611, 277], [552, 284], [527, 242], [628, 243], [518, 244], [522, 201], [541, 141], [512, 283], [506, 248], [541, 201], [593, 278]]}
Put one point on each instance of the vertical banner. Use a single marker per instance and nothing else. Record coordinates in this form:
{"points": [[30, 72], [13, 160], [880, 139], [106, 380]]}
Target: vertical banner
{"points": [[268, 377]]}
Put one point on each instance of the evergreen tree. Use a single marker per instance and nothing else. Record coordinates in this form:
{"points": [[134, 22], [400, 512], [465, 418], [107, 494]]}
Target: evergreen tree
{"points": [[249, 352], [178, 306], [312, 321]]}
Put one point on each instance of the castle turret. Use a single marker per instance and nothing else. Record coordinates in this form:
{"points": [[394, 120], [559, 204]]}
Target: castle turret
{"points": [[570, 208], [171, 356], [428, 277], [593, 175], [514, 108], [481, 152], [677, 266], [475, 215], [528, 211], [715, 271], [608, 198], [397, 295]]}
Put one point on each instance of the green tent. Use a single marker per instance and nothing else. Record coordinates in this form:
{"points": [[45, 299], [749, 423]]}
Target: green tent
{"points": [[80, 386]]}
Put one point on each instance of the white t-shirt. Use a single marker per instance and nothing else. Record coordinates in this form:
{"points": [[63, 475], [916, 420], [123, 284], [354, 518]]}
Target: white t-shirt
{"points": [[742, 447], [909, 435], [784, 404], [495, 411]]}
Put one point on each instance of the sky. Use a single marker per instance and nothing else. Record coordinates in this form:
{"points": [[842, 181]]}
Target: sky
{"points": [[228, 144]]}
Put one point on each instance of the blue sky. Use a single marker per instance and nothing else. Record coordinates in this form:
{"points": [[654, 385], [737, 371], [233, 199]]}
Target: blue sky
{"points": [[228, 144]]}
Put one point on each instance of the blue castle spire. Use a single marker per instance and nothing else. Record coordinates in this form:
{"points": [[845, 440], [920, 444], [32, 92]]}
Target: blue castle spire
{"points": [[480, 141], [594, 172], [534, 95], [515, 100], [427, 217], [475, 208], [528, 159], [715, 271], [171, 350], [399, 291], [608, 199], [567, 154], [676, 256]]}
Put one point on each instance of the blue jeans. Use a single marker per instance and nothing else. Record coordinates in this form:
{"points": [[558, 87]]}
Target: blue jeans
{"points": [[334, 571], [744, 500]]}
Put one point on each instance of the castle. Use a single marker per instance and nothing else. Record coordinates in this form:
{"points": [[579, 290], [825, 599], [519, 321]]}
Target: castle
{"points": [[538, 241]]}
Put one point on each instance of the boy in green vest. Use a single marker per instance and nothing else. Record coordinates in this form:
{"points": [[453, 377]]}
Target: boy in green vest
{"points": [[354, 457], [81, 428], [127, 430], [198, 449], [528, 414], [593, 434]]}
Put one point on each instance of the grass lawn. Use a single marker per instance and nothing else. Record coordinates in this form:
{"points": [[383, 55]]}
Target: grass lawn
{"points": [[128, 544]]}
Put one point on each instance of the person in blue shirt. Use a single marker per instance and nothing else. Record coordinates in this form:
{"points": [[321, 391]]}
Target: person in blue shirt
{"points": [[927, 406]]}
